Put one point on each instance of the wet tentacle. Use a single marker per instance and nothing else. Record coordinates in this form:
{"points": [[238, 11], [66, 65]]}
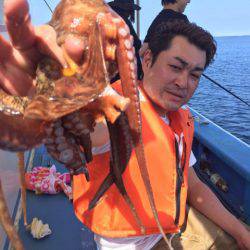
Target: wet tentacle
{"points": [[19, 134], [62, 145], [21, 166], [106, 184], [127, 69], [7, 224], [125, 149], [85, 142], [121, 149], [120, 139]]}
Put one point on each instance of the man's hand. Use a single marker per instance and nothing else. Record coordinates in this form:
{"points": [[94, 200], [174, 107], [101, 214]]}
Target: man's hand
{"points": [[205, 201], [28, 44], [243, 240]]}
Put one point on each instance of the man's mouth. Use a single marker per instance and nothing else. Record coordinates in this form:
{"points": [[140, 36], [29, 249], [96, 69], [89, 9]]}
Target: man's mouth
{"points": [[176, 94]]}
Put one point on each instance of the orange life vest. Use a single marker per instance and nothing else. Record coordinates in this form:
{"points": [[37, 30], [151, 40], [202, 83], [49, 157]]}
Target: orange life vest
{"points": [[111, 217]]}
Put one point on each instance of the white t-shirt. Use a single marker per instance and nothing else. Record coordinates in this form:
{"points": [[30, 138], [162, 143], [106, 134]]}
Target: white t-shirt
{"points": [[138, 242]]}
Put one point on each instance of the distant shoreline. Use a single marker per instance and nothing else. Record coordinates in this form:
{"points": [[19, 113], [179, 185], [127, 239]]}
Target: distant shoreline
{"points": [[232, 36]]}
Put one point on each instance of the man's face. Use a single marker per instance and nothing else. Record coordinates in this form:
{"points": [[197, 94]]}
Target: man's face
{"points": [[171, 81], [182, 4]]}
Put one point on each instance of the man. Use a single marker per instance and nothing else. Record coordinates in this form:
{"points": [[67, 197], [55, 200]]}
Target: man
{"points": [[177, 56], [173, 64], [172, 10], [126, 9]]}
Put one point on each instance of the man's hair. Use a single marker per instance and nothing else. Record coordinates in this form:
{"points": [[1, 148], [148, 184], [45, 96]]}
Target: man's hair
{"points": [[162, 38], [163, 2]]}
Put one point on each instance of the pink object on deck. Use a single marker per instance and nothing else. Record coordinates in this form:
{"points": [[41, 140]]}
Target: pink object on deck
{"points": [[48, 181]]}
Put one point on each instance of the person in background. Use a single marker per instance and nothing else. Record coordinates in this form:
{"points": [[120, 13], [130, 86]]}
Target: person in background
{"points": [[126, 9], [172, 10]]}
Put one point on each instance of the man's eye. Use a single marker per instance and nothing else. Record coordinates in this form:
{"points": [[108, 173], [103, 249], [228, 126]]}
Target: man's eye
{"points": [[175, 67], [196, 77]]}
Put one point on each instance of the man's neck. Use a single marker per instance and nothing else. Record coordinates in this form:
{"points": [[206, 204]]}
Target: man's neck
{"points": [[173, 7], [161, 112]]}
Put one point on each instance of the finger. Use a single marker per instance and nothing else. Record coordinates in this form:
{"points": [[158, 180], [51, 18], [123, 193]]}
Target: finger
{"points": [[47, 45], [8, 55], [74, 48], [5, 49], [18, 24], [15, 81], [20, 60]]}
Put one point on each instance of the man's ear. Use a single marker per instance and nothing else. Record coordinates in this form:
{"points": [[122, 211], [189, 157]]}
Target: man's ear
{"points": [[147, 59]]}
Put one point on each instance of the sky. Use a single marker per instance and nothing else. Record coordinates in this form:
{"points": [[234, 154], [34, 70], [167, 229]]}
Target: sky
{"points": [[220, 17]]}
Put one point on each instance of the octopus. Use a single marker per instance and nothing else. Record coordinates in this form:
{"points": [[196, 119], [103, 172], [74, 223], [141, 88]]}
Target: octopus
{"points": [[68, 101]]}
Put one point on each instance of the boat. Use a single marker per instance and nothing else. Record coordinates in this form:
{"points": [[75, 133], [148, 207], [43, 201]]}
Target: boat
{"points": [[218, 154], [222, 163]]}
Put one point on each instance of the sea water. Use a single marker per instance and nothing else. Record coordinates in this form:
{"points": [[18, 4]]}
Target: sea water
{"points": [[231, 69]]}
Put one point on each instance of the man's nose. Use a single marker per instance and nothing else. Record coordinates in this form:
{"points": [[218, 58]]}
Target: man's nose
{"points": [[182, 80]]}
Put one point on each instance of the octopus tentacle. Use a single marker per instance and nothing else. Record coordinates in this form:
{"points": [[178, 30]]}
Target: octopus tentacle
{"points": [[80, 124], [110, 104], [7, 224], [116, 168], [62, 145], [12, 105], [116, 126], [106, 184], [123, 141], [119, 129], [19, 134], [121, 151], [85, 141], [21, 167], [127, 70]]}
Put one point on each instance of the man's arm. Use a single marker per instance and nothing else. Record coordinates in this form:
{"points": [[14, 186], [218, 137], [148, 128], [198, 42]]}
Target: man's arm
{"points": [[205, 201]]}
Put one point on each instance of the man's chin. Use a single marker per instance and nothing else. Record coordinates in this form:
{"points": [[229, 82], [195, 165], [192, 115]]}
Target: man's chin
{"points": [[172, 106]]}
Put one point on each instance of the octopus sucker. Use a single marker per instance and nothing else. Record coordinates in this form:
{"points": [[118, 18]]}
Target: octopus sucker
{"points": [[69, 101]]}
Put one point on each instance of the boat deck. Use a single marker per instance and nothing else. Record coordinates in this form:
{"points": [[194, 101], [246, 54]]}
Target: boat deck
{"points": [[10, 183], [57, 211]]}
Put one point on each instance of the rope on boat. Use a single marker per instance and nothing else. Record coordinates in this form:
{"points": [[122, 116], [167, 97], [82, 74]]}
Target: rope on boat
{"points": [[48, 6], [230, 92]]}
